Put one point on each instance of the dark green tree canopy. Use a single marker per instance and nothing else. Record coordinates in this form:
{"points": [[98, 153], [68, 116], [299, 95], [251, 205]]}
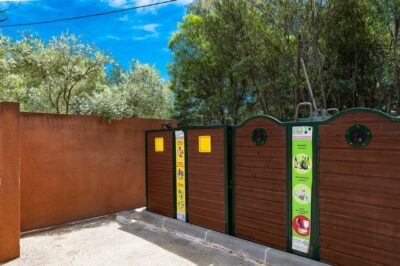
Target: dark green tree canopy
{"points": [[235, 58]]}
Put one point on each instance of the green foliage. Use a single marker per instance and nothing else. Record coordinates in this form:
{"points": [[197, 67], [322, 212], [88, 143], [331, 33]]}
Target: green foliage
{"points": [[235, 58], [140, 92], [67, 76], [52, 76]]}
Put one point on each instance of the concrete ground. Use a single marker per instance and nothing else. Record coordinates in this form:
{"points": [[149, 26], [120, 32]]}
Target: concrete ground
{"points": [[107, 242]]}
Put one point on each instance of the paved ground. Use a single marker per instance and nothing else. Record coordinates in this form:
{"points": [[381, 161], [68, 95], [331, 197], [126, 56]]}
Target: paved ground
{"points": [[106, 242]]}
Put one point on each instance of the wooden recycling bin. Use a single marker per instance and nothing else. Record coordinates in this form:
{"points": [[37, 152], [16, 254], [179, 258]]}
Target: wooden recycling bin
{"points": [[208, 204], [159, 172], [359, 189], [259, 181]]}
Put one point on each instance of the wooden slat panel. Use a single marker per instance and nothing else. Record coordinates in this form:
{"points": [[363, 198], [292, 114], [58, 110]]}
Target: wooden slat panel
{"points": [[206, 174], [260, 187], [160, 174], [258, 236], [359, 192], [338, 258]]}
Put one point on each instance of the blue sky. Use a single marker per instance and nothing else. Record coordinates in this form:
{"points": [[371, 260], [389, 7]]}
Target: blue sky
{"points": [[139, 34]]}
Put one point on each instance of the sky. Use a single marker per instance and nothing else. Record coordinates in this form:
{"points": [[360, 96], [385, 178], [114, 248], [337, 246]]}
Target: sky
{"points": [[139, 34]]}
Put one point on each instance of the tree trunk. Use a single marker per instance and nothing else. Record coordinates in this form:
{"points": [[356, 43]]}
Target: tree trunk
{"points": [[354, 78], [298, 89], [261, 96], [310, 91]]}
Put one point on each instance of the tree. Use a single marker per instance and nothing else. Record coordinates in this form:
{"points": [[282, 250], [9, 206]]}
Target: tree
{"points": [[57, 73], [211, 64], [65, 75], [139, 92], [239, 58], [389, 13]]}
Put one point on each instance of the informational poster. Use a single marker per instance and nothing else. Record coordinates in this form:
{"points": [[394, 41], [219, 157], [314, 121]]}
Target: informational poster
{"points": [[180, 175], [302, 173]]}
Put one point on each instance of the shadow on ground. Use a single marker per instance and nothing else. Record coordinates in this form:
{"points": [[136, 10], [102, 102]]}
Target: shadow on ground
{"points": [[190, 250], [105, 241], [69, 228]]}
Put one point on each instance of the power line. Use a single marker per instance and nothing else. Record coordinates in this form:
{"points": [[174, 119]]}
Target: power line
{"points": [[86, 16]]}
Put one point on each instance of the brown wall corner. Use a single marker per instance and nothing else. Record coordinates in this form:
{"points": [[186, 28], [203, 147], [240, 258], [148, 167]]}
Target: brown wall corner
{"points": [[9, 181]]}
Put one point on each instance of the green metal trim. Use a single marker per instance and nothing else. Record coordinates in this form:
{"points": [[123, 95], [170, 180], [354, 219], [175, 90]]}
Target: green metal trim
{"points": [[230, 176], [360, 110], [199, 127], [186, 175], [226, 178], [315, 219], [145, 170], [174, 173], [367, 132], [289, 188], [342, 113], [233, 183], [266, 117]]}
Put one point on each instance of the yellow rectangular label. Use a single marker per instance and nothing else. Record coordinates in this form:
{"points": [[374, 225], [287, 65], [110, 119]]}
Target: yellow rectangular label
{"points": [[159, 144], [204, 143]]}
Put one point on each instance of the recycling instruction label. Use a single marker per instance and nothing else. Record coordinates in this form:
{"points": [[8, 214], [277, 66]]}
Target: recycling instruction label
{"points": [[180, 175], [302, 174]]}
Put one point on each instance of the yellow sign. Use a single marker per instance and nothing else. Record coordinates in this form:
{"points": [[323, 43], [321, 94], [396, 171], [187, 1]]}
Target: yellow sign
{"points": [[180, 175], [159, 144], [204, 143]]}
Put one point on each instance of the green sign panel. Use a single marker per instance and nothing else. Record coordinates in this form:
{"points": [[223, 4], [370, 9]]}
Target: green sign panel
{"points": [[302, 154]]}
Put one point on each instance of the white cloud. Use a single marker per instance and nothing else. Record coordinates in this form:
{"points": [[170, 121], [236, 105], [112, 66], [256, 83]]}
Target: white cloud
{"points": [[123, 18], [11, 4], [19, 1], [150, 29], [184, 2], [140, 38], [113, 37], [131, 3], [117, 3]]}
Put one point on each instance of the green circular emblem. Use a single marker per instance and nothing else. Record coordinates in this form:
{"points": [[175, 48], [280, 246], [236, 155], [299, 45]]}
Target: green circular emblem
{"points": [[259, 136], [358, 136]]}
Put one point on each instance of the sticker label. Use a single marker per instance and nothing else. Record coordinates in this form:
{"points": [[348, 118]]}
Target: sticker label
{"points": [[302, 173], [205, 144], [159, 144], [180, 175]]}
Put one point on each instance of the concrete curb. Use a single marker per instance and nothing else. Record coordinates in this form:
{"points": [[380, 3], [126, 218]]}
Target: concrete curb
{"points": [[245, 248]]}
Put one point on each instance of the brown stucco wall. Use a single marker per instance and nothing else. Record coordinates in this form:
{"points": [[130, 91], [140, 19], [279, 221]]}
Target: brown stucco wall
{"points": [[9, 181], [76, 167]]}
